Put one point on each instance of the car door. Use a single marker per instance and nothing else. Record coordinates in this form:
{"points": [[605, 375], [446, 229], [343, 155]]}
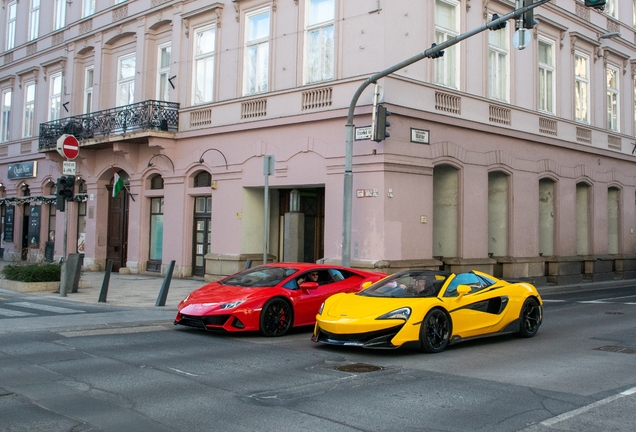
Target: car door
{"points": [[477, 312]]}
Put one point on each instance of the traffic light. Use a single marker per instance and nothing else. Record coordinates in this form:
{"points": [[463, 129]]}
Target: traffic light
{"points": [[379, 127], [527, 19], [499, 26], [65, 191], [596, 4]]}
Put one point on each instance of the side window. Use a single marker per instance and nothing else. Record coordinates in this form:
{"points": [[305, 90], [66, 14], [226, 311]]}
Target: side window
{"points": [[469, 279], [339, 275]]}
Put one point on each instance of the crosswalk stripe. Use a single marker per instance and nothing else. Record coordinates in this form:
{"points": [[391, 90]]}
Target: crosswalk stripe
{"points": [[14, 313], [47, 308]]}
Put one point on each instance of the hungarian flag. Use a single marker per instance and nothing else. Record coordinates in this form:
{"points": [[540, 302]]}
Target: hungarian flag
{"points": [[118, 184]]}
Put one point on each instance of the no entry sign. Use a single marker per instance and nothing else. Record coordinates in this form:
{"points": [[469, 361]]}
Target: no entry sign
{"points": [[68, 146]]}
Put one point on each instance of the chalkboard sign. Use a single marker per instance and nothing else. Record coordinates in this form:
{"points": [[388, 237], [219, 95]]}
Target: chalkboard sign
{"points": [[8, 223], [34, 225]]}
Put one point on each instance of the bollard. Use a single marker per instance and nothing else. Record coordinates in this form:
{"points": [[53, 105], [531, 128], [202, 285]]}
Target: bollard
{"points": [[248, 264], [104, 292], [163, 294]]}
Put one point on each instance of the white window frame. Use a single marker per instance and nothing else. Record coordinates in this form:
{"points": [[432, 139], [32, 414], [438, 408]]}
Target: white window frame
{"points": [[126, 83], [447, 67], [28, 119], [551, 69], [582, 86], [89, 82], [163, 73], [262, 47], [611, 8], [55, 96], [5, 115], [205, 59], [498, 79], [88, 8], [612, 100], [12, 9], [59, 15], [34, 19], [319, 64]]}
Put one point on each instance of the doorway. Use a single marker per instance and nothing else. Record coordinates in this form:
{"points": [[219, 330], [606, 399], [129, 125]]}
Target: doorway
{"points": [[312, 205], [202, 233], [117, 243]]}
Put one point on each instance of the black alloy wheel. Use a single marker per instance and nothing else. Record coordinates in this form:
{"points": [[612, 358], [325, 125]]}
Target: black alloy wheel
{"points": [[435, 331], [277, 317], [530, 318]]}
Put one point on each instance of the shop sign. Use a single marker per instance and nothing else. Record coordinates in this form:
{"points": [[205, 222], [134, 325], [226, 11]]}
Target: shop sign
{"points": [[23, 170]]}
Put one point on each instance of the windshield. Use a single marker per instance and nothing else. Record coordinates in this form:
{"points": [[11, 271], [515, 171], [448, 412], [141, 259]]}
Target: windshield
{"points": [[259, 277], [412, 283]]}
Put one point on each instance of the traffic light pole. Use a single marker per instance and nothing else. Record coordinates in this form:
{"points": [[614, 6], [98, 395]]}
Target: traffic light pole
{"points": [[432, 52], [63, 270]]}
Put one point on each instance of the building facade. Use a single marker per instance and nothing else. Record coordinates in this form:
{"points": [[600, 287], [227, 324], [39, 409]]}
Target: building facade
{"points": [[519, 162]]}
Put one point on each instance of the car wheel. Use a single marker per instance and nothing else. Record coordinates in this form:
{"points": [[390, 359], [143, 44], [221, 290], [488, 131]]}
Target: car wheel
{"points": [[435, 331], [530, 318], [276, 317]]}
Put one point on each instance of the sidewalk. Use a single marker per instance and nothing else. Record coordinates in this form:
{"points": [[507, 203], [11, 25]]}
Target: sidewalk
{"points": [[142, 290]]}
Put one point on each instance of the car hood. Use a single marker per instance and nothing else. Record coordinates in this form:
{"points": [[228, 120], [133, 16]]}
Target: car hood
{"points": [[216, 293], [353, 306]]}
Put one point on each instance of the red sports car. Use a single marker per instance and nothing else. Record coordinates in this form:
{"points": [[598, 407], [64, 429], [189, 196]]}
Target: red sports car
{"points": [[270, 298]]}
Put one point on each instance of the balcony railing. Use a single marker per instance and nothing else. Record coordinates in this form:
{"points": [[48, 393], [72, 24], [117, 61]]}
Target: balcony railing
{"points": [[138, 117]]}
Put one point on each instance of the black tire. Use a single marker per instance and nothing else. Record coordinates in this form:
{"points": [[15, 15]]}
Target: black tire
{"points": [[277, 317], [529, 318], [435, 331]]}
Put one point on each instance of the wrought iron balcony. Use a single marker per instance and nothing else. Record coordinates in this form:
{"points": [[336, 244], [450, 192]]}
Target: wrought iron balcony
{"points": [[138, 117]]}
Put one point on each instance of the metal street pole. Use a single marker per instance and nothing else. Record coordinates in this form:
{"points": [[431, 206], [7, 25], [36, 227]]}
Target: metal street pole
{"points": [[268, 169], [348, 174]]}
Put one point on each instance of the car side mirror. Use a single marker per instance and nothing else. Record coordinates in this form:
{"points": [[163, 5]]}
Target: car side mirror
{"points": [[462, 290], [366, 284], [306, 286]]}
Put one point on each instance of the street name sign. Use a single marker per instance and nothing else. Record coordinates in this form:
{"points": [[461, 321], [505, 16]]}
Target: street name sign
{"points": [[363, 133]]}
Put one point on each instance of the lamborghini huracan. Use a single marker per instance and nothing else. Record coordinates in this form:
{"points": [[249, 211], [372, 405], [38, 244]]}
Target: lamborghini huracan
{"points": [[429, 310], [270, 298]]}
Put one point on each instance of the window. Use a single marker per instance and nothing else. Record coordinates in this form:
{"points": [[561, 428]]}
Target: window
{"points": [[319, 40], [581, 88], [12, 8], [59, 14], [163, 69], [447, 27], [204, 51], [156, 228], [126, 80], [256, 53], [203, 179], [613, 114], [5, 116], [546, 76], [88, 89], [29, 109], [55, 96], [611, 8], [34, 19], [498, 65], [89, 8]]}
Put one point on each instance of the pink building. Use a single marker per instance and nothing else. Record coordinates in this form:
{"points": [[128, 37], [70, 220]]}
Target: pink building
{"points": [[516, 162]]}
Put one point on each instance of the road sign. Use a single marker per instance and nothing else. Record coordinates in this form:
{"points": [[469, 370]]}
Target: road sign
{"points": [[363, 133], [420, 136], [68, 146], [521, 38], [68, 168]]}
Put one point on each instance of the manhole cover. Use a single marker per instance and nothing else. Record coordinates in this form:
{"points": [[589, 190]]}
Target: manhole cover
{"points": [[617, 348], [358, 367], [614, 313]]}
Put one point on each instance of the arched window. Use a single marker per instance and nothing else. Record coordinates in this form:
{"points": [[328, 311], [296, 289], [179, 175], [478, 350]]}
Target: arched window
{"points": [[156, 182], [203, 179]]}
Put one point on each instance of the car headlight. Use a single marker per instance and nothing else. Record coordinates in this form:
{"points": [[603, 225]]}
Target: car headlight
{"points": [[231, 305], [322, 306], [185, 299], [401, 313]]}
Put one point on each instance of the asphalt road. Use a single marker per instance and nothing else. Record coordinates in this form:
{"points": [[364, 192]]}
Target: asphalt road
{"points": [[93, 367]]}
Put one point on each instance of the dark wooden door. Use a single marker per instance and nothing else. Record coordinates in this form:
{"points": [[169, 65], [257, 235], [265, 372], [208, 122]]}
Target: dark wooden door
{"points": [[202, 233], [117, 244]]}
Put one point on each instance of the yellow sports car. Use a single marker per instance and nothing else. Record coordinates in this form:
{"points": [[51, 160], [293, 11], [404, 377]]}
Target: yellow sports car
{"points": [[429, 310]]}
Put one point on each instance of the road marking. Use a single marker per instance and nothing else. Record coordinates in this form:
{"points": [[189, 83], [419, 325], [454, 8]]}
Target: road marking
{"points": [[183, 372], [553, 301], [46, 308], [14, 313], [574, 413], [112, 331]]}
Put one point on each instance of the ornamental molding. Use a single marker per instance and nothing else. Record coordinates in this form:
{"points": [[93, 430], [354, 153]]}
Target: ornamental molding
{"points": [[216, 7], [577, 40]]}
